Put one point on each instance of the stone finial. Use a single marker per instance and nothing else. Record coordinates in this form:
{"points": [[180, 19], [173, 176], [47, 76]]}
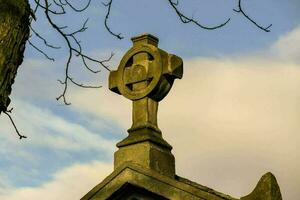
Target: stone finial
{"points": [[145, 76], [145, 38], [267, 188]]}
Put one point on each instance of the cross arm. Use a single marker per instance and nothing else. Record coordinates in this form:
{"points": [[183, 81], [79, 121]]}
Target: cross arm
{"points": [[174, 67], [113, 82]]}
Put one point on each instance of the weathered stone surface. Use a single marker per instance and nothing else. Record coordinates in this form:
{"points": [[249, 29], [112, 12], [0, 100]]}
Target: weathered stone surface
{"points": [[169, 188], [145, 76], [145, 72], [148, 155], [266, 189]]}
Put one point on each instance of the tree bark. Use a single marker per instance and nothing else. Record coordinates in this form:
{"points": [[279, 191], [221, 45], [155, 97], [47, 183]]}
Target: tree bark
{"points": [[14, 32]]}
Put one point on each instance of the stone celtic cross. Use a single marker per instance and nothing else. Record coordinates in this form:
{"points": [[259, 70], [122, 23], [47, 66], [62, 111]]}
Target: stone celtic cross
{"points": [[145, 76]]}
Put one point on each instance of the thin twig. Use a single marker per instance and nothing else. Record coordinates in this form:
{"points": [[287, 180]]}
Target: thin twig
{"points": [[76, 9], [48, 8], [60, 5], [108, 5], [41, 51], [13, 123], [36, 7], [184, 19], [74, 48], [43, 39], [240, 10], [80, 30]]}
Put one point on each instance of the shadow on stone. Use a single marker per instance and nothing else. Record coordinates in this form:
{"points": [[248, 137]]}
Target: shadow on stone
{"points": [[133, 192]]}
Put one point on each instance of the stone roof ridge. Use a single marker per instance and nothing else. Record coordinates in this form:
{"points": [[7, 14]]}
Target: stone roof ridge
{"points": [[204, 188]]}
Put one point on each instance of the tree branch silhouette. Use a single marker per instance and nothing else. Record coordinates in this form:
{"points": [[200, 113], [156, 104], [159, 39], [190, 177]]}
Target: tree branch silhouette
{"points": [[71, 41], [108, 5], [184, 19], [8, 112], [241, 10]]}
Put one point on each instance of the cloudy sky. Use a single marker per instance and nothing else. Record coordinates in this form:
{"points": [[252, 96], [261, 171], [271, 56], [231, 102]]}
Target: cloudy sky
{"points": [[234, 116]]}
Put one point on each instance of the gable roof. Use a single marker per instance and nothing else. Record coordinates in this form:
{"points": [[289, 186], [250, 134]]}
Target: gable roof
{"points": [[154, 182]]}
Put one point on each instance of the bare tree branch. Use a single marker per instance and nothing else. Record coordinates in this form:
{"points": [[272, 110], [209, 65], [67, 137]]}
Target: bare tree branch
{"points": [[108, 5], [82, 29], [240, 10], [71, 40], [13, 123], [37, 6], [40, 51], [76, 9], [60, 5], [102, 63], [43, 39], [184, 19], [62, 12]]}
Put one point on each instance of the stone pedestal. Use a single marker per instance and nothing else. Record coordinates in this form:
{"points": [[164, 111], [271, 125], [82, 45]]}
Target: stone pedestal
{"points": [[148, 154]]}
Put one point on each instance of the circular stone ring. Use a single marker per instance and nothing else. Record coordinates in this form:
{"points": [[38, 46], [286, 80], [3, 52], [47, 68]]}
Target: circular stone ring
{"points": [[157, 72]]}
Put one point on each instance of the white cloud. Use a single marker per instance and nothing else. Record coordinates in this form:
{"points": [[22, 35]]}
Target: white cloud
{"points": [[103, 103], [46, 129], [287, 47], [68, 184]]}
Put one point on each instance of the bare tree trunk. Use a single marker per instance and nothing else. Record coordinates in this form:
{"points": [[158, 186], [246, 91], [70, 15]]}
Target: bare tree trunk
{"points": [[14, 32]]}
